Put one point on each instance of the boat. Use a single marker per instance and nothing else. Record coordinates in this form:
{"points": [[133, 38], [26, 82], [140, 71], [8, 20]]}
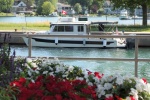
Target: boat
{"points": [[124, 15], [137, 17], [72, 26], [53, 14]]}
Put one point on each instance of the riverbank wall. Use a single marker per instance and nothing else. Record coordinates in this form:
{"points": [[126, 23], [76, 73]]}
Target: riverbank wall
{"points": [[144, 42]]}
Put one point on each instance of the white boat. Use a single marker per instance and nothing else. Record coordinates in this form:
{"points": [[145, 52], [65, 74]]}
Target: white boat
{"points": [[137, 17], [124, 15], [53, 14], [71, 26]]}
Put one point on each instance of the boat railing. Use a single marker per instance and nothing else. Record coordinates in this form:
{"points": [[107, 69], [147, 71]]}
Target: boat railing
{"points": [[135, 59]]}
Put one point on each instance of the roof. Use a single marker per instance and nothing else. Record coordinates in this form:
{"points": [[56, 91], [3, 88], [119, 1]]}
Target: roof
{"points": [[104, 22], [73, 23]]}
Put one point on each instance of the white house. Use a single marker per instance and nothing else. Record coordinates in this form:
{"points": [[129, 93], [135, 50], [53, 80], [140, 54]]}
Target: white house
{"points": [[18, 6], [67, 8]]}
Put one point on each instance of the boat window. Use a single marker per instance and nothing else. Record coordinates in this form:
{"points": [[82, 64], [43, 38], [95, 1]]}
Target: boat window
{"points": [[80, 29], [69, 28], [59, 29]]}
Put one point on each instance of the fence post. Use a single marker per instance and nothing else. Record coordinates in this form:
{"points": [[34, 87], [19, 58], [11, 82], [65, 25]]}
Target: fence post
{"points": [[136, 56], [29, 46]]}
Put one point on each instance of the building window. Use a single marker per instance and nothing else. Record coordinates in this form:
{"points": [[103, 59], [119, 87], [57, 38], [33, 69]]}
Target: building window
{"points": [[80, 29]]}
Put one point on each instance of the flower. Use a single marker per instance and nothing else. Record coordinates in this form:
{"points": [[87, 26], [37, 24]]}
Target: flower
{"points": [[52, 80]]}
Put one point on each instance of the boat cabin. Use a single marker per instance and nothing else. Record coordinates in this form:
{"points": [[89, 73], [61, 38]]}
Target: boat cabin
{"points": [[70, 26]]}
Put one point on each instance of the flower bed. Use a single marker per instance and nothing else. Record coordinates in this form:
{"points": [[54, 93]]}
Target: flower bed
{"points": [[45, 79]]}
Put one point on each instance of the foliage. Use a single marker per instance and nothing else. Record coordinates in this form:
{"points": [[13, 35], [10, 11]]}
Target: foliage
{"points": [[77, 8], [5, 5], [50, 79], [9, 68], [47, 8], [40, 4], [132, 5]]}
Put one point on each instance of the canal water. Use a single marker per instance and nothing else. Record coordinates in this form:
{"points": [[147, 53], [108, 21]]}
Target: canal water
{"points": [[22, 19], [105, 67]]}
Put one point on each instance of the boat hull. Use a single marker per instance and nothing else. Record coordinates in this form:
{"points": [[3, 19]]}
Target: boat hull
{"points": [[74, 42]]}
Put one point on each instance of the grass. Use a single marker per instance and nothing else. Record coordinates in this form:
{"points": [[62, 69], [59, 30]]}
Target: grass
{"points": [[45, 26], [20, 26]]}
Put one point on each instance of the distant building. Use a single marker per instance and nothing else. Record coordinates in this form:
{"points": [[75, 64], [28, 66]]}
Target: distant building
{"points": [[20, 7], [67, 8]]}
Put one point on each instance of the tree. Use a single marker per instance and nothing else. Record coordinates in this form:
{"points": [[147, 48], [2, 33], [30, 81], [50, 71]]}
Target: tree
{"points": [[5, 5], [87, 3], [40, 3], [132, 4], [47, 8], [96, 5], [77, 8], [54, 2]]}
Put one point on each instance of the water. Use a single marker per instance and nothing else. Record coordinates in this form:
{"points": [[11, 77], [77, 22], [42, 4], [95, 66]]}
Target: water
{"points": [[106, 67], [22, 19]]}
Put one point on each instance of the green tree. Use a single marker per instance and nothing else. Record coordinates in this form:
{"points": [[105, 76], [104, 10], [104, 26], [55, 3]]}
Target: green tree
{"points": [[5, 5], [132, 4], [47, 8], [40, 3], [54, 2], [77, 8], [96, 5]]}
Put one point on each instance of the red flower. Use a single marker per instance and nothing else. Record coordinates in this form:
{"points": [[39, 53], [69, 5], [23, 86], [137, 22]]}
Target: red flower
{"points": [[89, 72], [145, 81], [97, 74], [22, 80], [48, 98], [58, 97], [118, 98], [132, 98]]}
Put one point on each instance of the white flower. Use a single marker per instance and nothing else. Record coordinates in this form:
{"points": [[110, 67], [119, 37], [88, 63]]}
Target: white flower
{"points": [[108, 86], [147, 88], [134, 93], [80, 78], [90, 83], [119, 80], [29, 73], [108, 95], [70, 68], [128, 98], [36, 71], [45, 72], [32, 81], [51, 73], [28, 60]]}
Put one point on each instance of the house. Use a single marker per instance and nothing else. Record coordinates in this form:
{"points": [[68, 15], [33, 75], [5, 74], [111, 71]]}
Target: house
{"points": [[20, 7], [64, 7]]}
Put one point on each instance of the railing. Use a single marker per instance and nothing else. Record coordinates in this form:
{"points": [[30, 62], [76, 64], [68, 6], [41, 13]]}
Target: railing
{"points": [[135, 59]]}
